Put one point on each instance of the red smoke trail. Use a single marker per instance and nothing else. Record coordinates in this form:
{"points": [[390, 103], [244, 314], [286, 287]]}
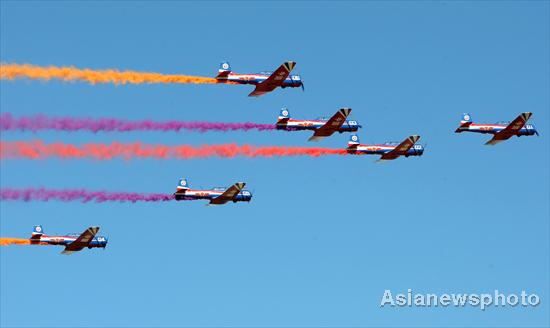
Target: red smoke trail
{"points": [[14, 71], [42, 122], [39, 150], [68, 195]]}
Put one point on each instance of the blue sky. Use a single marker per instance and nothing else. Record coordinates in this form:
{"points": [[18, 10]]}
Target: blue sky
{"points": [[323, 237]]}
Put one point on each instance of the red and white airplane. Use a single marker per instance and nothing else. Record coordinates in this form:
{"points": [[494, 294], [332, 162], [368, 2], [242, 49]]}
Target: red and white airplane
{"points": [[216, 196], [264, 81], [323, 127], [500, 131], [388, 150], [72, 242]]}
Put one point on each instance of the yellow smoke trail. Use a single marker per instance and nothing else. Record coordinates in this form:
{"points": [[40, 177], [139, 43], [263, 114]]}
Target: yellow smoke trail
{"points": [[33, 72]]}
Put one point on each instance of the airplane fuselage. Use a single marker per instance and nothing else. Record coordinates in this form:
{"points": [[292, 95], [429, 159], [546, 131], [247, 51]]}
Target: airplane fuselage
{"points": [[292, 81], [98, 241], [192, 194], [381, 149], [526, 130], [291, 125]]}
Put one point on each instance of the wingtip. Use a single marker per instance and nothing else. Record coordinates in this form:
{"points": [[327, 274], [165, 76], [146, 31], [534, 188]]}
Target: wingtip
{"points": [[493, 142], [345, 111], [289, 65], [315, 138]]}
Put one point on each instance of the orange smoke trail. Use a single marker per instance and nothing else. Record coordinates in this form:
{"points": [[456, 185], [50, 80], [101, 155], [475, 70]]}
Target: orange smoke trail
{"points": [[39, 150], [14, 71], [14, 241], [4, 241]]}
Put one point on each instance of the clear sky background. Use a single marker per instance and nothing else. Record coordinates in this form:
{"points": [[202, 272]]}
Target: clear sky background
{"points": [[323, 237]]}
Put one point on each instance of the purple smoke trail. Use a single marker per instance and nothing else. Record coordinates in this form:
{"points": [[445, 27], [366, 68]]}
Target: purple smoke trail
{"points": [[42, 122], [67, 195]]}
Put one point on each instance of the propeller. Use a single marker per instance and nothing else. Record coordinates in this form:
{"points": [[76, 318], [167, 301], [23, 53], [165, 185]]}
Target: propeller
{"points": [[253, 193], [301, 82]]}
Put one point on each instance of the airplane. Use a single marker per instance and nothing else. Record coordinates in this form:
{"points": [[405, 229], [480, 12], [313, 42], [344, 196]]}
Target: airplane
{"points": [[323, 127], [389, 150], [501, 131], [217, 196], [72, 242], [264, 81]]}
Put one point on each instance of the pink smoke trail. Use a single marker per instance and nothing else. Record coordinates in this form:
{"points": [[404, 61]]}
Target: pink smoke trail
{"points": [[43, 122], [39, 150], [68, 195]]}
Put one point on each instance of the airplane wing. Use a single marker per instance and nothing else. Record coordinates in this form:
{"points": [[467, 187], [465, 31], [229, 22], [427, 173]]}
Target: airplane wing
{"points": [[82, 241], [511, 129], [332, 125], [401, 149], [228, 195], [274, 80]]}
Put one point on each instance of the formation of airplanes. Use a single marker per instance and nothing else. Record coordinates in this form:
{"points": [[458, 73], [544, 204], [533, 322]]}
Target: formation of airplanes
{"points": [[266, 82], [72, 242]]}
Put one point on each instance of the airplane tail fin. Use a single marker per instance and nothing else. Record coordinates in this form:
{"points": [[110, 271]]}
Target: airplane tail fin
{"points": [[465, 122], [182, 185], [353, 141], [224, 70], [284, 116], [37, 232]]}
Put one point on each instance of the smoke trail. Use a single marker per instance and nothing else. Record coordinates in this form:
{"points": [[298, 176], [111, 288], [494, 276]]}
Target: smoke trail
{"points": [[14, 241], [33, 72], [42, 122], [6, 241], [39, 150], [69, 195]]}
